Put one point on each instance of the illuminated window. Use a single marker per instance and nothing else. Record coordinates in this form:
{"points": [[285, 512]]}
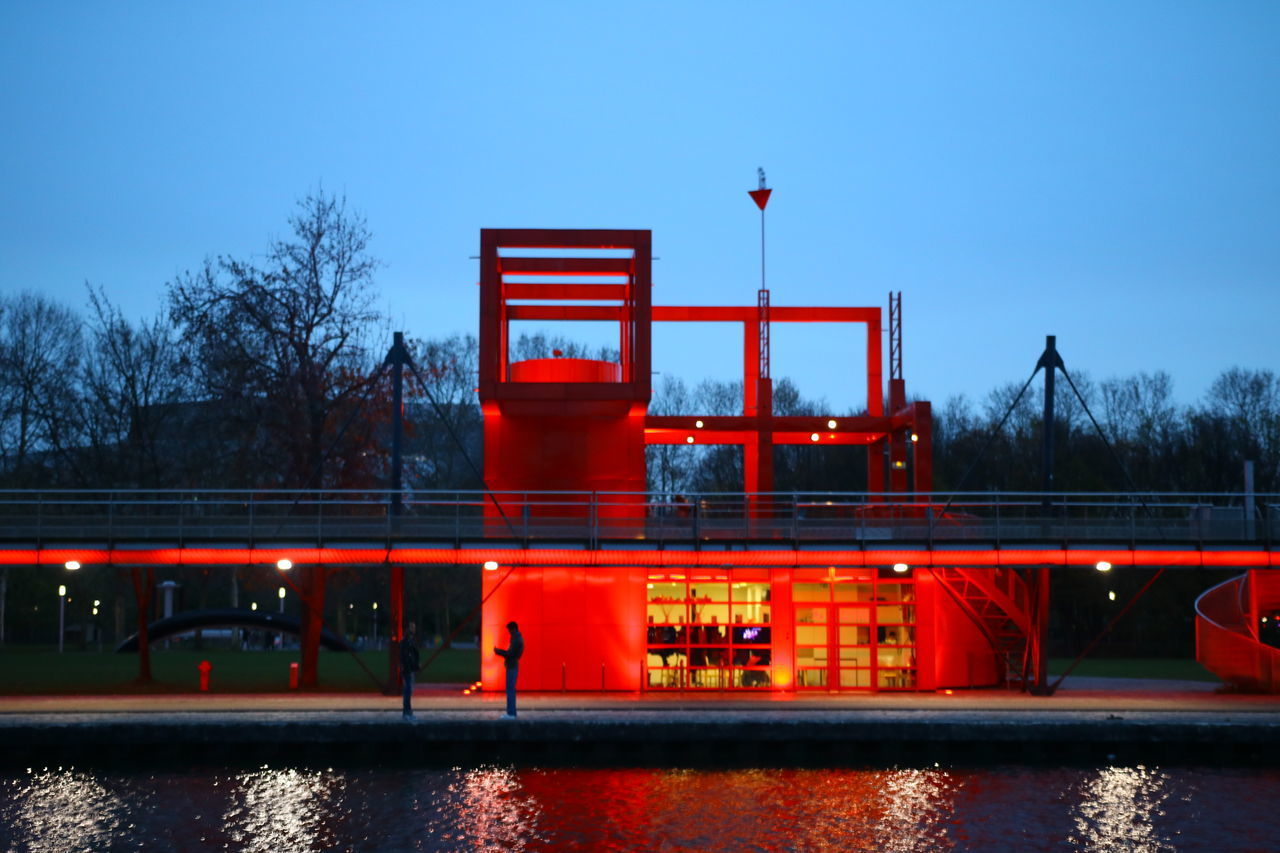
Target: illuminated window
{"points": [[709, 631]]}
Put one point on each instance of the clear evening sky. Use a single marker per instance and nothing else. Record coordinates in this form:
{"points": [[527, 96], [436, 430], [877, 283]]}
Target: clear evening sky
{"points": [[1108, 172]]}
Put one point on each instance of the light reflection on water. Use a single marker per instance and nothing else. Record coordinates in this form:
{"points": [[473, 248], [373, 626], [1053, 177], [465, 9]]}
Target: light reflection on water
{"points": [[504, 808]]}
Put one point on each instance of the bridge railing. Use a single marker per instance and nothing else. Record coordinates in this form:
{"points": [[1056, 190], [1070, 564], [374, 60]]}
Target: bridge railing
{"points": [[604, 519]]}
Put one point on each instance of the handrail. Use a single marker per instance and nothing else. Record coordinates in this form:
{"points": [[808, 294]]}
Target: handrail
{"points": [[1226, 644], [1000, 518]]}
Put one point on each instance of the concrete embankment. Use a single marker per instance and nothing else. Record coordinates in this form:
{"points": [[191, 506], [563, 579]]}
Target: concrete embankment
{"points": [[667, 737]]}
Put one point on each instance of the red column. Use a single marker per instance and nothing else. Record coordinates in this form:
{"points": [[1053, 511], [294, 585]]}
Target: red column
{"points": [[396, 628], [313, 583], [922, 471]]}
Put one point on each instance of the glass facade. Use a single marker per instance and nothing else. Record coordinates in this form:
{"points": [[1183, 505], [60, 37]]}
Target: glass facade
{"points": [[714, 630], [854, 631], [709, 630]]}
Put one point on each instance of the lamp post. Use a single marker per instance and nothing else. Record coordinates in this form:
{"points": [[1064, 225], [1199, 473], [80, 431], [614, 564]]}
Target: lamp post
{"points": [[375, 624], [280, 593], [62, 607]]}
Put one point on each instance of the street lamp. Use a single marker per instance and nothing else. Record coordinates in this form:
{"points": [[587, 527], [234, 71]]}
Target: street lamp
{"points": [[280, 593], [62, 606], [375, 624]]}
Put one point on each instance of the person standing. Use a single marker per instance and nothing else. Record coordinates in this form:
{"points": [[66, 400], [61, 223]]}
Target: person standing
{"points": [[408, 666], [511, 654]]}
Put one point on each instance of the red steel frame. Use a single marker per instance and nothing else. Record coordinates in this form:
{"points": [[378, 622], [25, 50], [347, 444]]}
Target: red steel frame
{"points": [[574, 425]]}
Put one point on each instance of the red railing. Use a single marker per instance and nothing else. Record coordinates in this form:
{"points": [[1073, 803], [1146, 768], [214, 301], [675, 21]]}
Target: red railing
{"points": [[1225, 644]]}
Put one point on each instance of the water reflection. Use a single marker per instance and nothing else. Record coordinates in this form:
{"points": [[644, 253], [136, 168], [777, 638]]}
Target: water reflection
{"points": [[524, 809], [273, 810], [62, 810], [1120, 809], [918, 806], [496, 811]]}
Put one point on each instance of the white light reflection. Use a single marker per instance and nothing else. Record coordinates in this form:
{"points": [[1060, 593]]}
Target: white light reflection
{"points": [[497, 809], [918, 807], [286, 810], [1118, 809], [65, 810]]}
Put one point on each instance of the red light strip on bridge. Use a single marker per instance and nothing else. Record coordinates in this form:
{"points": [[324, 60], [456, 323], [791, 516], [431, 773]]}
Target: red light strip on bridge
{"points": [[915, 558]]}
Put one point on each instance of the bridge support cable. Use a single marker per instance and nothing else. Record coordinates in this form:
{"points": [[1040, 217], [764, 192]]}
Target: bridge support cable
{"points": [[1035, 661], [497, 505]]}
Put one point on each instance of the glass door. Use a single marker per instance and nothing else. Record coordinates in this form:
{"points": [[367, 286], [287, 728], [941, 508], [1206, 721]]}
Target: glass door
{"points": [[854, 633]]}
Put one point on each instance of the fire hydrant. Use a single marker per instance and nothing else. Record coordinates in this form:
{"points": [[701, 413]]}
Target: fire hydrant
{"points": [[204, 668], [293, 676]]}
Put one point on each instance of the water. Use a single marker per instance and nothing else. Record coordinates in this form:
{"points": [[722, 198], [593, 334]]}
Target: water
{"points": [[503, 808]]}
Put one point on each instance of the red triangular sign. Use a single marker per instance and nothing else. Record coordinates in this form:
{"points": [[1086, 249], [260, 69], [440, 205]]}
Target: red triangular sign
{"points": [[761, 197]]}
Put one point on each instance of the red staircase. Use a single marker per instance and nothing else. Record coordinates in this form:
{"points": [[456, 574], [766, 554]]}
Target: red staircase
{"points": [[1227, 623], [999, 603]]}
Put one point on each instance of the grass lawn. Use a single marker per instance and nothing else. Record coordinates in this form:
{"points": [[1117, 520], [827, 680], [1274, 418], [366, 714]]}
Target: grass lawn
{"points": [[1180, 669], [34, 671]]}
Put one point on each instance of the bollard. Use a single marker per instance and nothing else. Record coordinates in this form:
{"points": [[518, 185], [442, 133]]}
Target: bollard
{"points": [[293, 676], [204, 668]]}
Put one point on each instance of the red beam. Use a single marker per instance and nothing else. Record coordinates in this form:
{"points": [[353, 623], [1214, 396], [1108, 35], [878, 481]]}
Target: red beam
{"points": [[751, 314], [1120, 558], [565, 312], [566, 292], [565, 266]]}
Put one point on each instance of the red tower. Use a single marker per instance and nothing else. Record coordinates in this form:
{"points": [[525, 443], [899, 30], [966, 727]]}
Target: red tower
{"points": [[562, 427], [566, 436]]}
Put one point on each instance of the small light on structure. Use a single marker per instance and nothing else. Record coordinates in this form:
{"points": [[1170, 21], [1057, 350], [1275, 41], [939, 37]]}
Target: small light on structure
{"points": [[650, 586], [915, 437], [831, 423], [62, 590], [1111, 595], [1103, 566], [899, 463], [284, 564], [813, 437], [698, 424], [466, 691], [490, 565], [72, 565], [948, 692], [901, 567], [1264, 620], [689, 439]]}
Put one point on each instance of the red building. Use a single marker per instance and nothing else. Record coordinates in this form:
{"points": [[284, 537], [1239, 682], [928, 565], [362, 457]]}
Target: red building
{"points": [[571, 426]]}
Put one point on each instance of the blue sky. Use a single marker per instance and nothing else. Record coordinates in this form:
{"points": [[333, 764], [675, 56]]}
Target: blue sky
{"points": [[1106, 172]]}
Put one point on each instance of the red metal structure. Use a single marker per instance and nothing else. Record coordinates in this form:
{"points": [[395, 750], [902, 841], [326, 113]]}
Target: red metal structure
{"points": [[571, 425], [617, 589], [1236, 631]]}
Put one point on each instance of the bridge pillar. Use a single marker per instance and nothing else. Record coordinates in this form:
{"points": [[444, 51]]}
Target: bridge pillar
{"points": [[395, 629]]}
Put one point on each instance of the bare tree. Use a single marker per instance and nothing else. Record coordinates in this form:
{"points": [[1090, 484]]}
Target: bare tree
{"points": [[134, 385], [286, 344], [40, 352]]}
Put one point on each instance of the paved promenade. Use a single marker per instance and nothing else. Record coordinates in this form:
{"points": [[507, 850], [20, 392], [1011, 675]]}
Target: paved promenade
{"points": [[1088, 720]]}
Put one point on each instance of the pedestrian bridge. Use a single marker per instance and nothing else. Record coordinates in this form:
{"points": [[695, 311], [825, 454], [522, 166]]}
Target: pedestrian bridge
{"points": [[996, 529]]}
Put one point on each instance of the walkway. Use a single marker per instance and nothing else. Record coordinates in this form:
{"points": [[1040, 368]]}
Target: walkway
{"points": [[1089, 720]]}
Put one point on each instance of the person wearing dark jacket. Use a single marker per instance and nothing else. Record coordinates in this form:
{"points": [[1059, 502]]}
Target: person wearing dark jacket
{"points": [[511, 654], [408, 666]]}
